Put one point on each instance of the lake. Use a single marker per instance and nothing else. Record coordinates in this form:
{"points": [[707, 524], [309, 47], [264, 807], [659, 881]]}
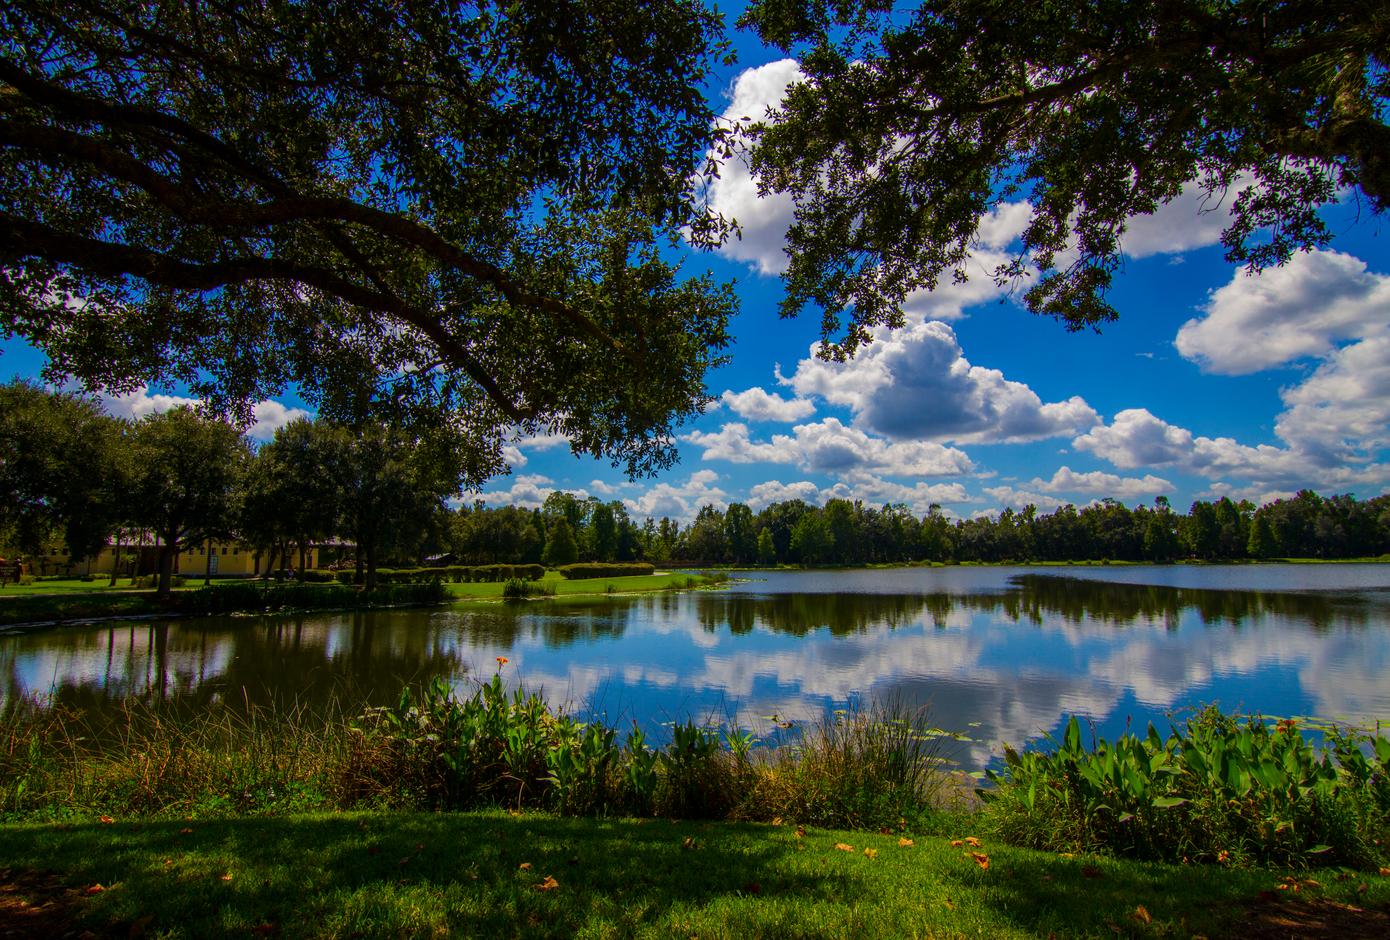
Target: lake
{"points": [[999, 654]]}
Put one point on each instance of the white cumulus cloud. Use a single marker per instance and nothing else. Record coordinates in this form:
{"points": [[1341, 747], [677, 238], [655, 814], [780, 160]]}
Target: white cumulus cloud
{"points": [[679, 501], [915, 383], [829, 446], [763, 221], [1301, 309], [756, 404], [268, 416]]}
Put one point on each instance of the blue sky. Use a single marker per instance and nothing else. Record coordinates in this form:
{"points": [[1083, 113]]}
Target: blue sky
{"points": [[1212, 383]]}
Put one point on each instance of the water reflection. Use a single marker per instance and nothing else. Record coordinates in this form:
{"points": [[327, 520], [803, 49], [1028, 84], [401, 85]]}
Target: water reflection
{"points": [[1003, 660]]}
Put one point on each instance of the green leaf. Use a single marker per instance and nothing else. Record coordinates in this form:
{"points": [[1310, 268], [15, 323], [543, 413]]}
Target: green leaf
{"points": [[1168, 802]]}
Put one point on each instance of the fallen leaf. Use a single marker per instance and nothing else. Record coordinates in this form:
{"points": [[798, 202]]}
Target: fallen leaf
{"points": [[549, 884], [107, 820], [1066, 855], [753, 888], [419, 847], [1142, 915], [980, 858], [957, 843], [524, 866], [885, 831], [1385, 873], [404, 861], [801, 832], [949, 905], [168, 862], [689, 843], [777, 820], [971, 840], [871, 853], [227, 876], [905, 842], [95, 889], [843, 847], [1090, 871], [185, 832]]}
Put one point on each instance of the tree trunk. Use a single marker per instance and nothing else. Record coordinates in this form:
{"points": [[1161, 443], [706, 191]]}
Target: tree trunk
{"points": [[116, 562], [166, 568], [207, 562]]}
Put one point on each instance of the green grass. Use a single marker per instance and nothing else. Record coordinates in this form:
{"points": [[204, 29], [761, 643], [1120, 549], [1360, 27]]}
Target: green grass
{"points": [[399, 874], [101, 585], [565, 588]]}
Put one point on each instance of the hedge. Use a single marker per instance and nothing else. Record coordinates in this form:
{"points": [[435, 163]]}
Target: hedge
{"points": [[598, 569]]}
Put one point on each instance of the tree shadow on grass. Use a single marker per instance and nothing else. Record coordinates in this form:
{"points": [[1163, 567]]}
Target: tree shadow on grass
{"points": [[476, 874]]}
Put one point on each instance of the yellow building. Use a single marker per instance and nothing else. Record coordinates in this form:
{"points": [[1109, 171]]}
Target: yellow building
{"points": [[140, 555]]}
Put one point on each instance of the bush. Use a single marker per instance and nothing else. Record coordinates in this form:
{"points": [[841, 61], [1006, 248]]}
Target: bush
{"points": [[240, 596], [519, 589], [855, 770], [595, 569], [1219, 790], [151, 581], [318, 575]]}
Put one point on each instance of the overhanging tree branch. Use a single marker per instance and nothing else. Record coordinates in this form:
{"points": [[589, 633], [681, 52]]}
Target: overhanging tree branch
{"points": [[20, 238]]}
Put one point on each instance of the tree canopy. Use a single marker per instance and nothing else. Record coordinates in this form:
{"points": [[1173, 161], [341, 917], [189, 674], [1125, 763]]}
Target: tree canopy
{"points": [[911, 126], [431, 212], [60, 469]]}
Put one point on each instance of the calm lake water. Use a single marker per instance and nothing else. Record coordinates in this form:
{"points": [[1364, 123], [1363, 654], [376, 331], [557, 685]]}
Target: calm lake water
{"points": [[1000, 654]]}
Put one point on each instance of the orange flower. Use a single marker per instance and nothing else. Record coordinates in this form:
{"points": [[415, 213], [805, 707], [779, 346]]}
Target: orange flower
{"points": [[502, 661]]}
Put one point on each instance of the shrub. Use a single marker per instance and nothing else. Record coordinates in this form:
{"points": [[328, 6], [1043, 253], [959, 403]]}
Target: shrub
{"points": [[856, 769], [151, 581], [595, 569], [519, 589], [1220, 789], [318, 575]]}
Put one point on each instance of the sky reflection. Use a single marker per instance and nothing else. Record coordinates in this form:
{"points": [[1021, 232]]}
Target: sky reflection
{"points": [[1002, 655]]}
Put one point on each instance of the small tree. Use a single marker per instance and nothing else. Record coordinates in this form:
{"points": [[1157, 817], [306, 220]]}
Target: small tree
{"points": [[60, 469], [184, 469], [767, 552], [561, 548]]}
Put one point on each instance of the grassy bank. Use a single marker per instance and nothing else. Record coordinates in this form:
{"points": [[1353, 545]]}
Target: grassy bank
{"points": [[563, 587], [242, 596], [283, 822], [496, 874]]}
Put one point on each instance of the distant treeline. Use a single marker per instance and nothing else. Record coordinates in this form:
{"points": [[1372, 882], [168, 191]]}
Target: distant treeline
{"points": [[567, 528]]}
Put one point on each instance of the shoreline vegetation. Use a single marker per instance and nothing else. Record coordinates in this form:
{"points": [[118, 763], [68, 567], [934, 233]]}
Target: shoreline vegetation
{"points": [[488, 811], [63, 602]]}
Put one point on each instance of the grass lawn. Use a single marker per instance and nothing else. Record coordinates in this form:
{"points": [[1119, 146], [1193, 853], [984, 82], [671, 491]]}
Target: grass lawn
{"points": [[67, 586], [468, 590], [491, 874]]}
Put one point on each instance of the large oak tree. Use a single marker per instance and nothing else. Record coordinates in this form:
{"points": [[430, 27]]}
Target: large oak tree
{"points": [[912, 124], [431, 212]]}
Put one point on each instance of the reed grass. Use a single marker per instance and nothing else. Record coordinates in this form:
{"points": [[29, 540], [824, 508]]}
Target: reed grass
{"points": [[440, 750]]}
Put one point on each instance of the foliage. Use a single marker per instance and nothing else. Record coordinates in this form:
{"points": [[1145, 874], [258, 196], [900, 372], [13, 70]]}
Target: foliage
{"points": [[610, 570], [1219, 790], [560, 545], [911, 126], [60, 470], [520, 588], [443, 750], [436, 214], [183, 468], [857, 769]]}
